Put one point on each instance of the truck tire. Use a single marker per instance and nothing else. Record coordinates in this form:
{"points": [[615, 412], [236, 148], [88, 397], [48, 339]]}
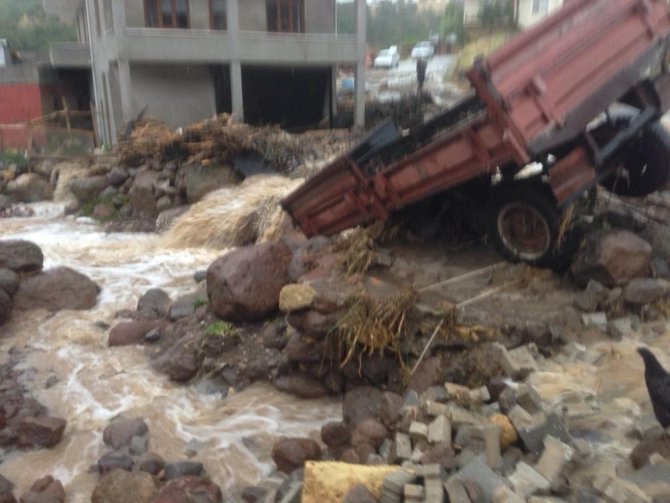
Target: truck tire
{"points": [[524, 225]]}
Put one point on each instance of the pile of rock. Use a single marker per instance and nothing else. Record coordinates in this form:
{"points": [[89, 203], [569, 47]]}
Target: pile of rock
{"points": [[499, 443], [24, 285], [130, 472]]}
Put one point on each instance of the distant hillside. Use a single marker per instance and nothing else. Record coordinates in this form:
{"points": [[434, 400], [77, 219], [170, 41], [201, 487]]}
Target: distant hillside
{"points": [[26, 26]]}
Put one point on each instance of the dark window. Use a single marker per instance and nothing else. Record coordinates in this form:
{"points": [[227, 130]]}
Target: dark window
{"points": [[166, 13], [286, 15], [217, 11]]}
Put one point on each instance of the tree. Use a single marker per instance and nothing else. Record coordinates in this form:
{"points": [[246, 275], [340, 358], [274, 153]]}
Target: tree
{"points": [[26, 26], [452, 21], [497, 14]]}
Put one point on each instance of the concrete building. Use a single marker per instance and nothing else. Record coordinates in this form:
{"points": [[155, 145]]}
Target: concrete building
{"points": [[265, 61]]}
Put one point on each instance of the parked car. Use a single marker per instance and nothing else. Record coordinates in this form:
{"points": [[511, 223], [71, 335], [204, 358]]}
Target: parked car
{"points": [[423, 50], [387, 58]]}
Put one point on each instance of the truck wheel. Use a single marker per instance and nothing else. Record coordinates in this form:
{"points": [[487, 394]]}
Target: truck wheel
{"points": [[524, 225], [645, 167]]}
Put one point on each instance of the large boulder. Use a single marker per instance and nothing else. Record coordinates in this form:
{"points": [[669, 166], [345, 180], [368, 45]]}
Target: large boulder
{"points": [[301, 385], [9, 281], [289, 454], [89, 188], [142, 195], [5, 307], [120, 432], [201, 180], [244, 285], [189, 490], [45, 490], [642, 291], [612, 258], [360, 403], [155, 303], [20, 256], [57, 289], [41, 431], [120, 486], [29, 188]]}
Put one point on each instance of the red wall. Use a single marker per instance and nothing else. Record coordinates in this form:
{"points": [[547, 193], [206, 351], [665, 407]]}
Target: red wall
{"points": [[18, 103]]}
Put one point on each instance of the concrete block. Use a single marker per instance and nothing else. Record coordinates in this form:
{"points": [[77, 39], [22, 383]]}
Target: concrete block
{"points": [[517, 362], [616, 490], [460, 416], [456, 491], [528, 398], [432, 409], [439, 430], [533, 438], [553, 460], [434, 489], [294, 494], [595, 320], [505, 495], [403, 446], [386, 497], [620, 328], [417, 454], [480, 395], [418, 432], [426, 472], [388, 451], [479, 472], [395, 482], [522, 419], [486, 439], [507, 399], [413, 491], [527, 480]]}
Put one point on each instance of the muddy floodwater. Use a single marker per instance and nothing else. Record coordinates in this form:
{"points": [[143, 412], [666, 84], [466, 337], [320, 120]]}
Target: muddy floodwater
{"points": [[95, 383], [598, 388]]}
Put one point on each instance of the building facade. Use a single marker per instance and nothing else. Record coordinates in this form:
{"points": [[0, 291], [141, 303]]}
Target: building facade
{"points": [[527, 12], [265, 61]]}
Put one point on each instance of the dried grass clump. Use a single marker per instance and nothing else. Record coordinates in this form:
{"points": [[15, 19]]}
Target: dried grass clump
{"points": [[370, 325], [359, 246]]}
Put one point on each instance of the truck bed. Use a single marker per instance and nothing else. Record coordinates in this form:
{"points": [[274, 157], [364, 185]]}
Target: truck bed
{"points": [[533, 95]]}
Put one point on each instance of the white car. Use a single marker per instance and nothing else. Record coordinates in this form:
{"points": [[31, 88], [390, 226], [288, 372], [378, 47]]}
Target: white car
{"points": [[387, 58], [423, 50]]}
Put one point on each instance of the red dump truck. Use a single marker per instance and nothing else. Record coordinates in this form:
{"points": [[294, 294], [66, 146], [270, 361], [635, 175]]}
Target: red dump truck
{"points": [[579, 97]]}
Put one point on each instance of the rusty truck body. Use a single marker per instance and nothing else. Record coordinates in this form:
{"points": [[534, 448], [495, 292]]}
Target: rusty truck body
{"points": [[580, 95]]}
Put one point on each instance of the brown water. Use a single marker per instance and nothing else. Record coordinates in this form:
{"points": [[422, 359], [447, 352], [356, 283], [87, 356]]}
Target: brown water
{"points": [[97, 383]]}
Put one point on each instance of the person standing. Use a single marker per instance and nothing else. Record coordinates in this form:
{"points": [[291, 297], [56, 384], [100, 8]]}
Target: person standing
{"points": [[421, 65]]}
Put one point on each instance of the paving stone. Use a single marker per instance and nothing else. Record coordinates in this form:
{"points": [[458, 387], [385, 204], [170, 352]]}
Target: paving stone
{"points": [[439, 430], [518, 361], [395, 482], [522, 419], [654, 480], [486, 439], [528, 398], [432, 409], [553, 460], [432, 471], [456, 491], [533, 438], [505, 495], [617, 490], [479, 472], [418, 432], [597, 320], [526, 480], [620, 328], [413, 491], [294, 494], [403, 446], [460, 416]]}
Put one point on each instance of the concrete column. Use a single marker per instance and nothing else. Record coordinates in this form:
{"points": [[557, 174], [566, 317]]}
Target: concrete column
{"points": [[236, 90], [361, 45], [126, 91], [237, 98]]}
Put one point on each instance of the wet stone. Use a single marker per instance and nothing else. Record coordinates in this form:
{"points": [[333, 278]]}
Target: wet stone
{"points": [[41, 431], [151, 462], [112, 461], [45, 490], [183, 469], [254, 494], [120, 432]]}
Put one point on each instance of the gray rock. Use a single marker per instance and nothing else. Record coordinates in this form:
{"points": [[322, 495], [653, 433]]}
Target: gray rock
{"points": [[117, 176], [87, 189], [57, 289], [591, 297], [183, 469], [9, 281], [20, 256], [200, 180], [642, 291], [478, 472], [155, 303], [29, 188]]}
